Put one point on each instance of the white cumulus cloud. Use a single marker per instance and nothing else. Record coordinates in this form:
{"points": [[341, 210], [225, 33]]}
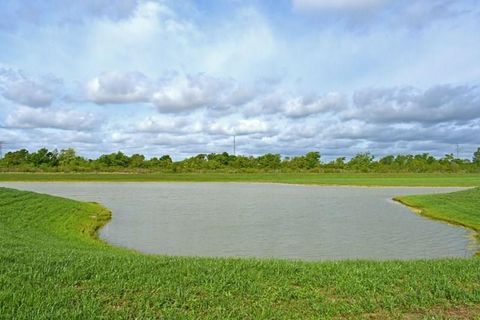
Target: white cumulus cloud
{"points": [[185, 93], [65, 119], [302, 107], [239, 127], [119, 87], [22, 89]]}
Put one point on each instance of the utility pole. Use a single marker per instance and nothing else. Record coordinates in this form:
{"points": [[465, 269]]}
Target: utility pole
{"points": [[1, 149], [234, 146], [458, 150]]}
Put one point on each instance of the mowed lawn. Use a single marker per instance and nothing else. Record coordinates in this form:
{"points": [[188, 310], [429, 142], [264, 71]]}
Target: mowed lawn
{"points": [[461, 208], [53, 267], [356, 179]]}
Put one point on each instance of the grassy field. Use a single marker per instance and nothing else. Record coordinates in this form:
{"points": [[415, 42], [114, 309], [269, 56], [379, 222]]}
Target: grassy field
{"points": [[460, 208], [359, 179], [53, 267]]}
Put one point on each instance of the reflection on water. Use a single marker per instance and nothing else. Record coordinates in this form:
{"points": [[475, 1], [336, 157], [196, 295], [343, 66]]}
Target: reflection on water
{"points": [[265, 220]]}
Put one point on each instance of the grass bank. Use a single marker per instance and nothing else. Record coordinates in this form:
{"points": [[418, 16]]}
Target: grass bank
{"points": [[460, 208], [53, 267], [356, 179]]}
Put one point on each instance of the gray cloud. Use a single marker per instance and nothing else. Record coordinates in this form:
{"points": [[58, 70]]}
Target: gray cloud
{"points": [[280, 101], [202, 124], [21, 89], [388, 133], [200, 113], [270, 119], [119, 87], [302, 107], [65, 119], [437, 104], [361, 14], [62, 12], [319, 5], [173, 125], [240, 127], [190, 92], [172, 94]]}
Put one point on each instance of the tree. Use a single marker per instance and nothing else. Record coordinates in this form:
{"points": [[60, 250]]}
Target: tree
{"points": [[269, 161], [137, 161], [118, 159], [312, 160], [340, 162], [43, 157], [448, 158], [361, 161], [476, 157], [66, 157], [16, 158], [387, 160]]}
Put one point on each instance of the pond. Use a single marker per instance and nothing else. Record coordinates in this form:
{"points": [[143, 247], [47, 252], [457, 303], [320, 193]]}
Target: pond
{"points": [[266, 220]]}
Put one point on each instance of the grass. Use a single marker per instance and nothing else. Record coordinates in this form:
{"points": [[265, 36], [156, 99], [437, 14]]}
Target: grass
{"points": [[359, 179], [460, 208], [53, 267]]}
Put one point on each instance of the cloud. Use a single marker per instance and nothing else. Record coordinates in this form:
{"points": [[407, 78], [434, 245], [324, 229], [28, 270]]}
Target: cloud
{"points": [[387, 133], [119, 87], [308, 5], [119, 9], [278, 100], [240, 127], [174, 125], [65, 119], [201, 124], [28, 93], [189, 92], [19, 88], [408, 104], [61, 12], [184, 93], [365, 15], [183, 76], [170, 94], [302, 107]]}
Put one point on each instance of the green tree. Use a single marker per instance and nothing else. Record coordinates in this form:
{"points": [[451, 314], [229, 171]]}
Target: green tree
{"points": [[269, 161], [387, 160], [16, 158], [476, 157], [43, 157], [137, 161], [312, 160], [340, 162], [118, 159], [67, 157], [361, 161]]}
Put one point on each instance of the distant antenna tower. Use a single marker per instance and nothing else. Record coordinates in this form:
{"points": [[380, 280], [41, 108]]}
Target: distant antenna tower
{"points": [[458, 151], [234, 146]]}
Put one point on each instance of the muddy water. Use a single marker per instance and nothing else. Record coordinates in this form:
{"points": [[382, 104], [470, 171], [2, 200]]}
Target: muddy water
{"points": [[266, 220]]}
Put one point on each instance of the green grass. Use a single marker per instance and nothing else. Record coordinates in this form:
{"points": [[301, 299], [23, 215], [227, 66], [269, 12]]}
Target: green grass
{"points": [[363, 179], [53, 267], [461, 208]]}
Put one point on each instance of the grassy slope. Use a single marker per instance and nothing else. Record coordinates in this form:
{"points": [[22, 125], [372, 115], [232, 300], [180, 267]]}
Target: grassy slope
{"points": [[51, 267], [461, 208], [364, 179]]}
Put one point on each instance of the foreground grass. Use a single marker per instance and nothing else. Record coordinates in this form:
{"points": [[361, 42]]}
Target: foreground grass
{"points": [[52, 266], [357, 179]]}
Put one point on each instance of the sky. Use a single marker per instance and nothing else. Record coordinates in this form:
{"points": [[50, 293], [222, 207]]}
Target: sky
{"points": [[182, 77]]}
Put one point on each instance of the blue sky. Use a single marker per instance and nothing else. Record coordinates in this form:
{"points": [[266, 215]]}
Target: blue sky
{"points": [[285, 76]]}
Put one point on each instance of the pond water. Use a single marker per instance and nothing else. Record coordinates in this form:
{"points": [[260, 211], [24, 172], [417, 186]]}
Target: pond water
{"points": [[266, 220]]}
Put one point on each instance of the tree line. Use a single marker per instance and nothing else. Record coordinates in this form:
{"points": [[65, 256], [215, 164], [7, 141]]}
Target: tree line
{"points": [[68, 160]]}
